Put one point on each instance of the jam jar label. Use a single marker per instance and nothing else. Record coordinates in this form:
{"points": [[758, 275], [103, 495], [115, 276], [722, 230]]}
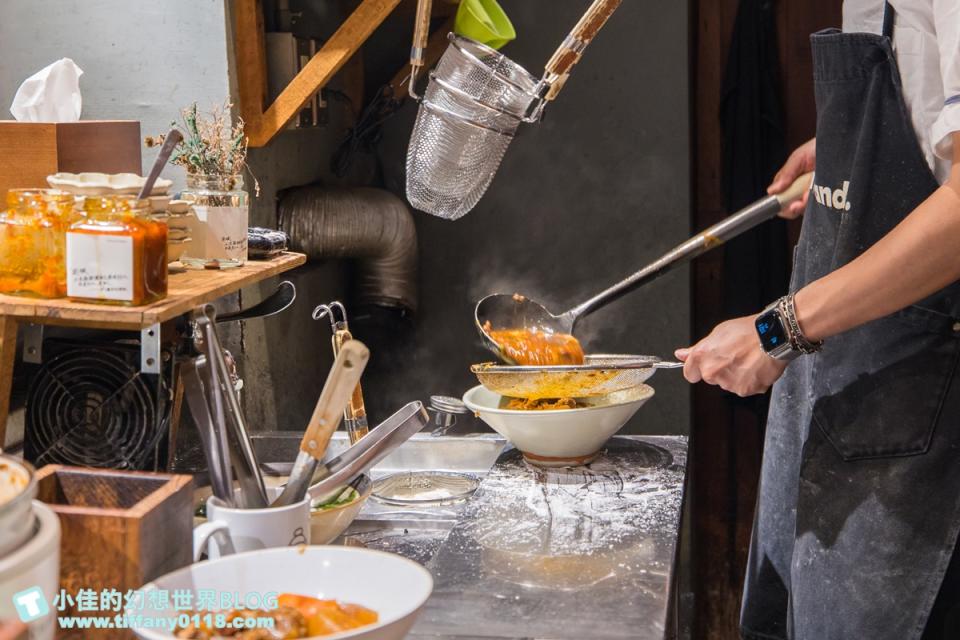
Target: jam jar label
{"points": [[99, 267], [223, 232]]}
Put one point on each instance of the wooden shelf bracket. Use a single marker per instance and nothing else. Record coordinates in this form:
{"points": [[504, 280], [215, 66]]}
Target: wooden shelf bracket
{"points": [[264, 122]]}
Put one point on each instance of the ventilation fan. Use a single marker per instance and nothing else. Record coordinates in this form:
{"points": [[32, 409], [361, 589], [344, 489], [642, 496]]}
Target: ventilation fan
{"points": [[90, 405]]}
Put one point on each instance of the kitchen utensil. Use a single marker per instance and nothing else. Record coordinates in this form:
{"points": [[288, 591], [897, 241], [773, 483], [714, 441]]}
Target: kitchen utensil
{"points": [[377, 445], [484, 21], [559, 437], [327, 524], [514, 311], [342, 380], [229, 530], [394, 587], [599, 375], [18, 488], [212, 437], [421, 34], [279, 300], [355, 415], [454, 152], [419, 488], [173, 138], [446, 410], [227, 414], [35, 564]]}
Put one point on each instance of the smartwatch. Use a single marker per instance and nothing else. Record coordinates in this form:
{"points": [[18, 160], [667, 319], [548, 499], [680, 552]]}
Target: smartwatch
{"points": [[774, 332]]}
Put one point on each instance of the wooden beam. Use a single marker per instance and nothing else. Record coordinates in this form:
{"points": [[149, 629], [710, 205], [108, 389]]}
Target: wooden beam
{"points": [[251, 60], [315, 75]]}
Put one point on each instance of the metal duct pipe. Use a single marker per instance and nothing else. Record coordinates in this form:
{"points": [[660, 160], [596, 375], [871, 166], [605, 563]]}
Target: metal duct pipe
{"points": [[370, 225]]}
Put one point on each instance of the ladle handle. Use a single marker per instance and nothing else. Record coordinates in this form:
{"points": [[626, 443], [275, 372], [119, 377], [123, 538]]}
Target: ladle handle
{"points": [[571, 50], [747, 218], [341, 381], [421, 34]]}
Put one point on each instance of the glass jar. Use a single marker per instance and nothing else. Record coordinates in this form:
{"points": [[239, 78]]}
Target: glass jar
{"points": [[117, 254], [219, 234], [32, 242]]}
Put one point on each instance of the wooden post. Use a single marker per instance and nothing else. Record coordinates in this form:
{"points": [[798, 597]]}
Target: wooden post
{"points": [[8, 354]]}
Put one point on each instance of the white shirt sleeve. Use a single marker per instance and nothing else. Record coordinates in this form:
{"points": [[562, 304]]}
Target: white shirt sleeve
{"points": [[946, 16]]}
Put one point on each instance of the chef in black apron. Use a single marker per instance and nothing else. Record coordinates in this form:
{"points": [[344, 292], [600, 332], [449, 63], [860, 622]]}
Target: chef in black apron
{"points": [[857, 522]]}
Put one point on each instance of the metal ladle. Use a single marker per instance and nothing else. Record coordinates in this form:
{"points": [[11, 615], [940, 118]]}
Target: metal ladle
{"points": [[513, 311]]}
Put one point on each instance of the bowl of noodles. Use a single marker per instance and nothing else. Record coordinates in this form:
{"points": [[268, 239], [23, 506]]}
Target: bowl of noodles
{"points": [[557, 432]]}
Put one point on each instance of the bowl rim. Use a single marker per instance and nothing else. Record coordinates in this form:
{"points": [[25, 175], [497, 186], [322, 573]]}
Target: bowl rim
{"points": [[647, 390], [360, 499], [303, 550]]}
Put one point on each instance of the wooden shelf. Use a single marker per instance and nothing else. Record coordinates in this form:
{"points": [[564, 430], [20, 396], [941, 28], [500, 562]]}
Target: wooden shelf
{"points": [[187, 290]]}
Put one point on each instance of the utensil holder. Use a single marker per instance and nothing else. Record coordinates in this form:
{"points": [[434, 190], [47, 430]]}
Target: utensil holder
{"points": [[121, 529]]}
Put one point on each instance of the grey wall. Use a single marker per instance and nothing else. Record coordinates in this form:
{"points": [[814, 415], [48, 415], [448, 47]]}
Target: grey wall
{"points": [[142, 60], [594, 192]]}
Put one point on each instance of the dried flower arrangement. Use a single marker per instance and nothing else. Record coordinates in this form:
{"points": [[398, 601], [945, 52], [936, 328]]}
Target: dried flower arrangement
{"points": [[213, 145]]}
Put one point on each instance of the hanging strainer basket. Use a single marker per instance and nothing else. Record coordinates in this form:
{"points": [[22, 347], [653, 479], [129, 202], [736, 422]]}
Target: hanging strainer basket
{"points": [[475, 101]]}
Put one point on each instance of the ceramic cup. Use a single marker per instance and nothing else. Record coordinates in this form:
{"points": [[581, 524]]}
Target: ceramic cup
{"points": [[228, 530]]}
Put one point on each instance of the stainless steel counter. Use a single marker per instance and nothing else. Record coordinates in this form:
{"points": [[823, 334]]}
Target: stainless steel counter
{"points": [[582, 553]]}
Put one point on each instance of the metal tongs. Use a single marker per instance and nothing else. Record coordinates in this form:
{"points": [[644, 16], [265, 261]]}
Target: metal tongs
{"points": [[355, 415], [216, 409]]}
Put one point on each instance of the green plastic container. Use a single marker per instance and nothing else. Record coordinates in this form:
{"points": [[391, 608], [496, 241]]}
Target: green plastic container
{"points": [[485, 22]]}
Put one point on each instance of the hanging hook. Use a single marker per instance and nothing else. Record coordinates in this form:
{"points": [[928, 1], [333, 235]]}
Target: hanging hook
{"points": [[329, 310]]}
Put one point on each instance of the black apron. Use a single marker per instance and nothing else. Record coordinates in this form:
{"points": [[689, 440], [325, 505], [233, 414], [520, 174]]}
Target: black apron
{"points": [[859, 503]]}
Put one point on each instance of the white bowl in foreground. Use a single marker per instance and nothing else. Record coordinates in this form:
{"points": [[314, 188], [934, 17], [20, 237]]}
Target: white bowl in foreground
{"points": [[394, 587], [559, 437]]}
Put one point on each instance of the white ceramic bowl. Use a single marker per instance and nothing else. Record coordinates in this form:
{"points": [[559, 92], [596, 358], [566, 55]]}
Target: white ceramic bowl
{"points": [[99, 184], [559, 437], [394, 587], [35, 564], [327, 524]]}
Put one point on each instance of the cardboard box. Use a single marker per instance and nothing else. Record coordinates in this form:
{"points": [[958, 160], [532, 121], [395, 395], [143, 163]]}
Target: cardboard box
{"points": [[30, 151]]}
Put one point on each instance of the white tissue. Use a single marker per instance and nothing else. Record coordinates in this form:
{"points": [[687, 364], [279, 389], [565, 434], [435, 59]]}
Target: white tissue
{"points": [[50, 95]]}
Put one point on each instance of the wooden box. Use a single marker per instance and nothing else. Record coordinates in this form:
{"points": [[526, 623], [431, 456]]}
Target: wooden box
{"points": [[121, 529], [30, 151]]}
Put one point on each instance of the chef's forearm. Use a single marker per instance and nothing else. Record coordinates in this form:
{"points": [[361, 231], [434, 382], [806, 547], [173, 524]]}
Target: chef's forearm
{"points": [[919, 257]]}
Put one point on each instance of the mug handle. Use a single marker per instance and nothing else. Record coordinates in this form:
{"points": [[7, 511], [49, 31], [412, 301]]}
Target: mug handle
{"points": [[219, 532]]}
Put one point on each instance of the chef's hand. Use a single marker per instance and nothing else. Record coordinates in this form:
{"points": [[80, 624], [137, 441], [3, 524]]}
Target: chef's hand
{"points": [[801, 161], [732, 358]]}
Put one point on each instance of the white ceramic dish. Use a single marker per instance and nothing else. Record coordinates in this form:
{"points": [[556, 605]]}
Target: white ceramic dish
{"points": [[559, 437], [35, 564], [18, 487], [98, 184], [394, 587], [327, 524]]}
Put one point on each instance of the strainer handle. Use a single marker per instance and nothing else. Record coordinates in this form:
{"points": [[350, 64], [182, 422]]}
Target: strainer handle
{"points": [[421, 34], [570, 51]]}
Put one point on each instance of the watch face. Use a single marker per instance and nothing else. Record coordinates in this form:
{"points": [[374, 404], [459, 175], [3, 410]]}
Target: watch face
{"points": [[772, 334]]}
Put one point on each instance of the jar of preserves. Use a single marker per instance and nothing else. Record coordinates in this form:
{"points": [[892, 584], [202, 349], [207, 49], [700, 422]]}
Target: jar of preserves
{"points": [[219, 232], [32, 242], [117, 254]]}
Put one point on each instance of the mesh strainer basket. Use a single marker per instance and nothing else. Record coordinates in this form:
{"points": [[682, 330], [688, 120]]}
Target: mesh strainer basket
{"points": [[456, 147], [460, 135]]}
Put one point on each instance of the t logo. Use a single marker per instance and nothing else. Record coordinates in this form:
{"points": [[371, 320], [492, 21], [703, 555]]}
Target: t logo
{"points": [[31, 604]]}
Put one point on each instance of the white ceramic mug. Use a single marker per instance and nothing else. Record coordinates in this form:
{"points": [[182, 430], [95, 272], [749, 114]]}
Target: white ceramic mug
{"points": [[228, 530]]}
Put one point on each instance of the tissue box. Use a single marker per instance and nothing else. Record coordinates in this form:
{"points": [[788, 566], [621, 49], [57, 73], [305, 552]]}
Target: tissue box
{"points": [[30, 151]]}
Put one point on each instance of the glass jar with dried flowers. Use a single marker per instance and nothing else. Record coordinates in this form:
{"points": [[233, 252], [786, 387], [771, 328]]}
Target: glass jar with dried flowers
{"points": [[213, 152]]}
